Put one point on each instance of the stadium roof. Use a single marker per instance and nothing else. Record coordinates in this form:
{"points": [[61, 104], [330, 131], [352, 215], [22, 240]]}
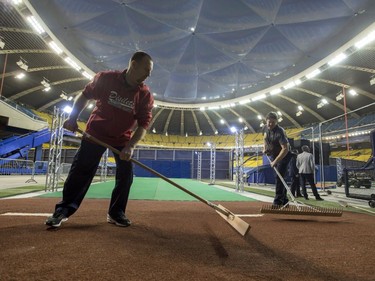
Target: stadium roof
{"points": [[237, 59]]}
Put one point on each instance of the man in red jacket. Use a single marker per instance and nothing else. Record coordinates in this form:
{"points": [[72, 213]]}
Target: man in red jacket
{"points": [[123, 102]]}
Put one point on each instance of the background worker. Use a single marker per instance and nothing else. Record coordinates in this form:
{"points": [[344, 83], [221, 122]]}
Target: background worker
{"points": [[294, 174], [123, 102], [306, 166], [276, 145]]}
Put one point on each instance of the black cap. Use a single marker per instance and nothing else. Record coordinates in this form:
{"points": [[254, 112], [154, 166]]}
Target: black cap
{"points": [[272, 115]]}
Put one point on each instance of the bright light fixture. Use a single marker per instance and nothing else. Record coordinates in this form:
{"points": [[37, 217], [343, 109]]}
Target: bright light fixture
{"points": [[72, 63], [369, 38], [54, 47], [37, 27], [20, 75], [313, 73], [22, 64], [275, 91], [88, 76], [263, 96], [2, 43], [337, 59], [68, 109]]}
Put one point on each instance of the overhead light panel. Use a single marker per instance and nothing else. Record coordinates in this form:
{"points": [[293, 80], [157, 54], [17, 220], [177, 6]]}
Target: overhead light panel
{"points": [[313, 73], [289, 85], [353, 92], [64, 95], [337, 59], [322, 103], [2, 43], [17, 2], [54, 47], [22, 64], [37, 27], [88, 76], [45, 83], [369, 38], [340, 96], [72, 63], [245, 101], [263, 96], [233, 129], [20, 75], [68, 109], [275, 92]]}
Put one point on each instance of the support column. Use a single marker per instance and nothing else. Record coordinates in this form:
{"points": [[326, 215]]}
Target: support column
{"points": [[212, 163], [104, 166], [199, 166], [239, 158], [55, 148]]}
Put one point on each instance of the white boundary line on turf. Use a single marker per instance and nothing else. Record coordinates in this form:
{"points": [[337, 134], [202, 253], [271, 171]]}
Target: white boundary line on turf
{"points": [[27, 214], [28, 195], [258, 197]]}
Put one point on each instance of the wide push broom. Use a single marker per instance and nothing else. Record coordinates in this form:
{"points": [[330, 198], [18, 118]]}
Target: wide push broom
{"points": [[298, 208], [235, 221]]}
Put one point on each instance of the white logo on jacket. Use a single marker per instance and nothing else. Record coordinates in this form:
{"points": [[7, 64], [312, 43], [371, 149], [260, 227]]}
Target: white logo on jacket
{"points": [[120, 102]]}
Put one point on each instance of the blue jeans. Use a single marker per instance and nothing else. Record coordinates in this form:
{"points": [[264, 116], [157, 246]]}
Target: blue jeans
{"points": [[82, 171]]}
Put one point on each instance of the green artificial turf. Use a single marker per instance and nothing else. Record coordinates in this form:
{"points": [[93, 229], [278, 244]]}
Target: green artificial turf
{"points": [[20, 190], [158, 189]]}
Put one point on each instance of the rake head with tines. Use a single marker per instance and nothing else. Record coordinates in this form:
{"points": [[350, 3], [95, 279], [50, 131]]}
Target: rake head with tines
{"points": [[301, 210], [298, 208]]}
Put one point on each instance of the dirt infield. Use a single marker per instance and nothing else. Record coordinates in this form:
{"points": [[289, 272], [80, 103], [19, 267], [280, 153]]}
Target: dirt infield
{"points": [[182, 241]]}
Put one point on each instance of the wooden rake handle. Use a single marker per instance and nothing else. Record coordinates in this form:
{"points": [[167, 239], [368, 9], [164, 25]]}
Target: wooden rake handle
{"points": [[216, 207]]}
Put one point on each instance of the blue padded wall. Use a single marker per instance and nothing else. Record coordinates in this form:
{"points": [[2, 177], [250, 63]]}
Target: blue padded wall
{"points": [[169, 169]]}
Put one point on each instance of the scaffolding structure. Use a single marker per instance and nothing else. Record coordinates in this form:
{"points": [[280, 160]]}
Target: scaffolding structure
{"points": [[239, 160], [199, 166], [104, 166], [212, 163], [55, 149]]}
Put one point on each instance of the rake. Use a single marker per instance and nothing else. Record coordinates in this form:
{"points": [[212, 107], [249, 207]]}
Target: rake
{"points": [[298, 208], [232, 219]]}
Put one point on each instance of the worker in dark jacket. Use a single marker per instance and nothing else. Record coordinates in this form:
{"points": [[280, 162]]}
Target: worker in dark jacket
{"points": [[276, 145]]}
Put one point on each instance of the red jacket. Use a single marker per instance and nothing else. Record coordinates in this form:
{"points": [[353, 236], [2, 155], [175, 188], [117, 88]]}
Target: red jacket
{"points": [[119, 108]]}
